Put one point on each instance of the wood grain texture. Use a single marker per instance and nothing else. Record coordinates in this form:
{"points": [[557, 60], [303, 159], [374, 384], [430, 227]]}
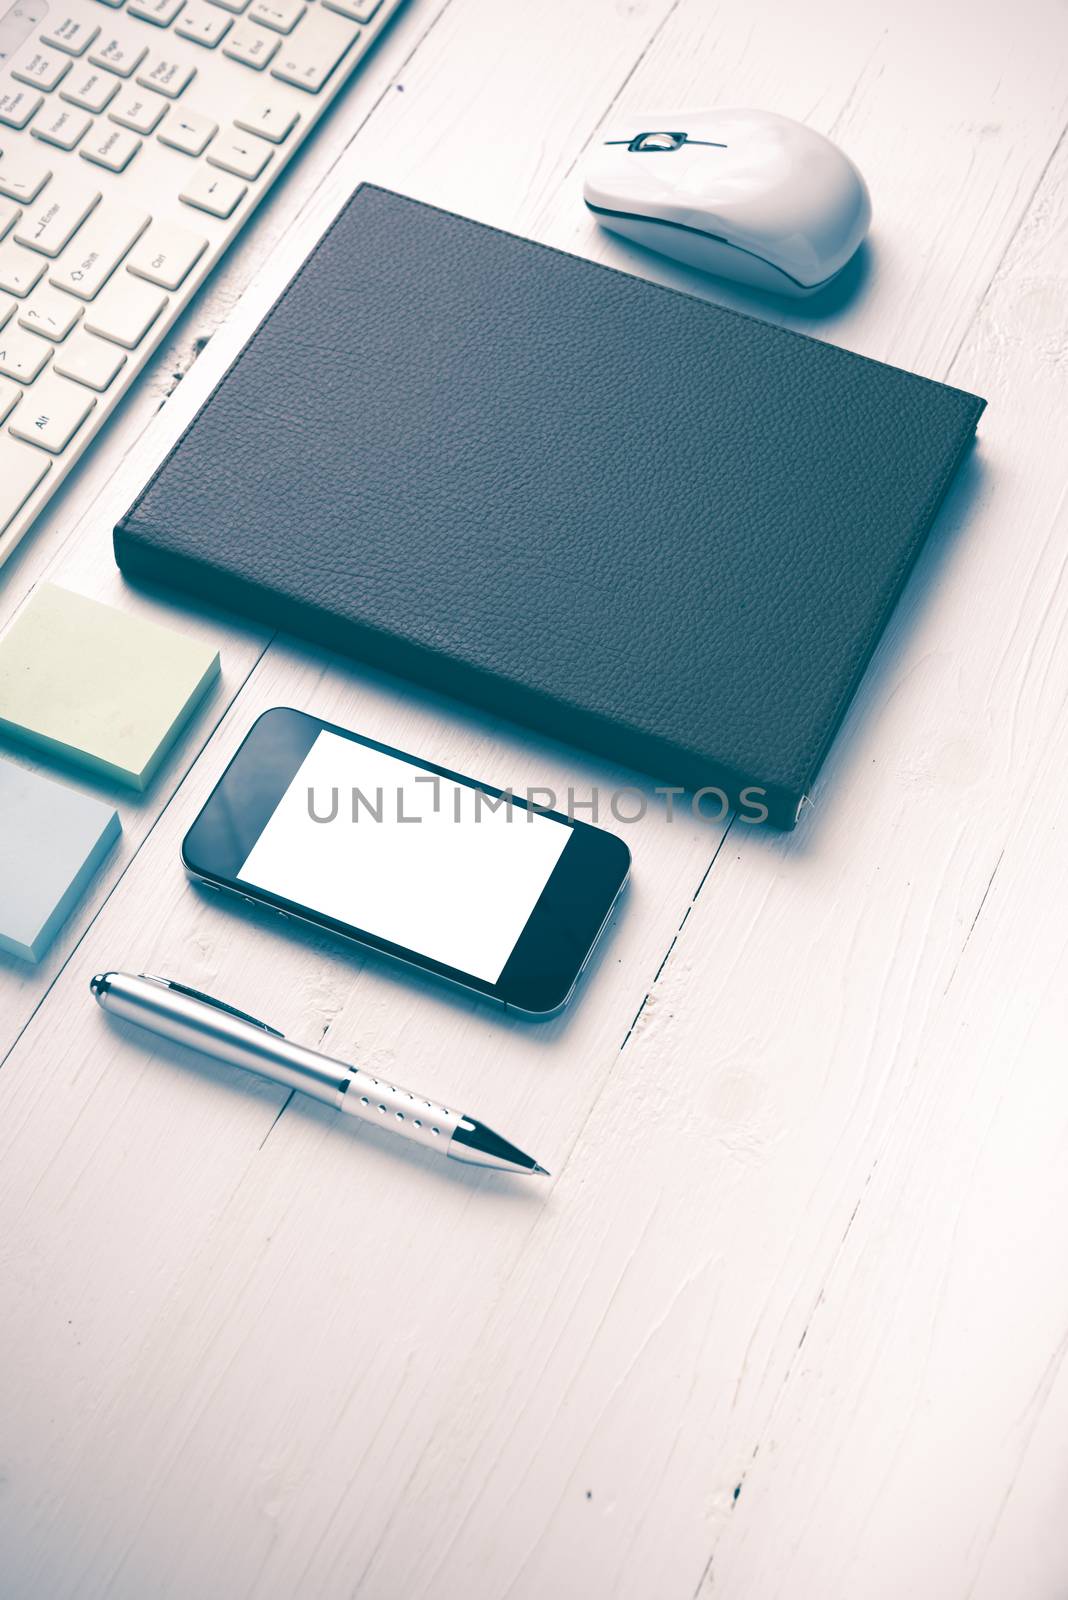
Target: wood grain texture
{"points": [[791, 1319]]}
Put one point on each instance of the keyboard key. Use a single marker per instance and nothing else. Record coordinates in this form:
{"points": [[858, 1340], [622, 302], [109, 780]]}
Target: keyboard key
{"points": [[171, 78], [20, 270], [355, 10], [189, 132], [22, 354], [98, 249], [90, 88], [119, 52], [125, 311], [212, 191], [21, 179], [234, 6], [7, 306], [42, 70], [113, 3], [139, 109], [166, 255], [267, 118], [240, 153], [51, 222], [251, 45], [89, 360], [203, 24], [62, 126], [281, 15], [9, 215], [50, 313], [21, 470], [161, 12], [308, 59], [71, 34], [10, 395], [112, 148], [53, 413], [17, 106]]}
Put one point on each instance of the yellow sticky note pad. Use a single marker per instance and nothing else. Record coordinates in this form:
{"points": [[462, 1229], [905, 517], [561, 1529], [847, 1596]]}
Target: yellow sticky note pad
{"points": [[104, 690]]}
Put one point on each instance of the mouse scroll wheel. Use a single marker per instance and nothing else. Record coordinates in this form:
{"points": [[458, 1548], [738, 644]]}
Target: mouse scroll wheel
{"points": [[653, 142]]}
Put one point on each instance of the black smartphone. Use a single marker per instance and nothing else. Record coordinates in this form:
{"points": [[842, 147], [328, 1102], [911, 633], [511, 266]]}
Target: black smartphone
{"points": [[424, 864]]}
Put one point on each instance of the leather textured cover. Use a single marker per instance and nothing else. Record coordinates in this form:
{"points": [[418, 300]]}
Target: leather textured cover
{"points": [[639, 522]]}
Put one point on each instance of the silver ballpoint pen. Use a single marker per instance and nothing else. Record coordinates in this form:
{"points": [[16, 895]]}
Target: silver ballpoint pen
{"points": [[194, 1019]]}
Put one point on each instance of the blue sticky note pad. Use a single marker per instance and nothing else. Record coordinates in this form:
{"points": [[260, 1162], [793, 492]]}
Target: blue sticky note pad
{"points": [[52, 840]]}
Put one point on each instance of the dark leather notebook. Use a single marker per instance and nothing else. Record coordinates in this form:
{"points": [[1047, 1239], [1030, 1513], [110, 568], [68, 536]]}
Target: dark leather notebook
{"points": [[661, 530]]}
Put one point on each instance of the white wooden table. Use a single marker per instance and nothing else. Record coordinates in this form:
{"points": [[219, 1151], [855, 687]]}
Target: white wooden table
{"points": [[791, 1318]]}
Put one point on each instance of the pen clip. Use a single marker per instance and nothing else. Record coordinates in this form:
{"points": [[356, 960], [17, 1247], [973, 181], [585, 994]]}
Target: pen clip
{"points": [[208, 1000]]}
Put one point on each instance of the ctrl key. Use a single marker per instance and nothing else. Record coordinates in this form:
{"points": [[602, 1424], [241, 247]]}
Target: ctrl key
{"points": [[21, 470], [166, 255]]}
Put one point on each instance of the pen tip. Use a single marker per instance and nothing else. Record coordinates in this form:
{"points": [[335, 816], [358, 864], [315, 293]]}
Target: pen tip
{"points": [[543, 1170]]}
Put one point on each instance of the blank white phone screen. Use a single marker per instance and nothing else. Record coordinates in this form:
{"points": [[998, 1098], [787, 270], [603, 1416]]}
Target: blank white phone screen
{"points": [[398, 852]]}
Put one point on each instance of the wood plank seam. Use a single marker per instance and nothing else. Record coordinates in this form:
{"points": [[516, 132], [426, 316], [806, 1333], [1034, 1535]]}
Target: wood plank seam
{"points": [[1023, 218], [675, 938]]}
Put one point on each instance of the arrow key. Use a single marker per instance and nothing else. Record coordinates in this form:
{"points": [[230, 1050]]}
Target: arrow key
{"points": [[240, 153], [269, 118], [213, 192]]}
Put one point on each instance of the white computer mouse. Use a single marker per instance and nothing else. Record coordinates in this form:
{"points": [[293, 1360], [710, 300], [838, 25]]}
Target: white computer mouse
{"points": [[747, 195]]}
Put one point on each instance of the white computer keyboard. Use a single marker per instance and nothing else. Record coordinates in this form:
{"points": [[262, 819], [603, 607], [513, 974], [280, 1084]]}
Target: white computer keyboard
{"points": [[136, 136]]}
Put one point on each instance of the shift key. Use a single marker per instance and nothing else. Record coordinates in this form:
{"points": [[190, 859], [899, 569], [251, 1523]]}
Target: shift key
{"points": [[102, 243]]}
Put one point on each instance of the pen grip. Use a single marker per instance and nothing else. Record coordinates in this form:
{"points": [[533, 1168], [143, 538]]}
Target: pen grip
{"points": [[390, 1106]]}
